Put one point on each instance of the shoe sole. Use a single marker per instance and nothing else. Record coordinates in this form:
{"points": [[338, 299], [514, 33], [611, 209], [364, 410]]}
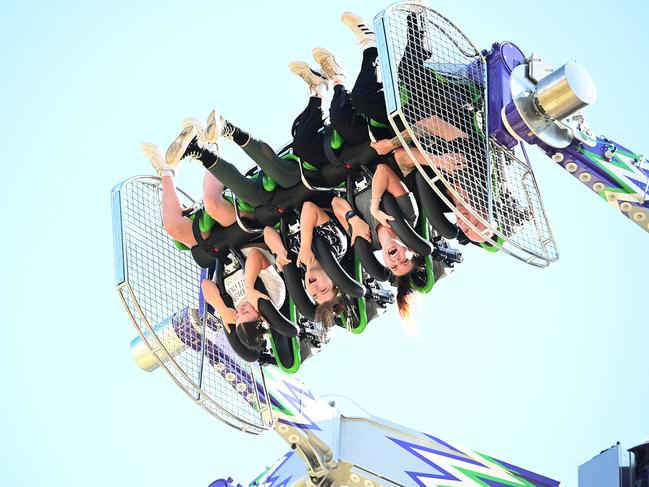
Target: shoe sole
{"points": [[351, 20], [321, 52], [304, 71], [213, 129], [354, 22], [199, 126], [178, 146], [153, 153]]}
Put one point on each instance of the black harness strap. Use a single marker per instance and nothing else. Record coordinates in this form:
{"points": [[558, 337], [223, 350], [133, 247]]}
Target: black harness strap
{"points": [[235, 342]]}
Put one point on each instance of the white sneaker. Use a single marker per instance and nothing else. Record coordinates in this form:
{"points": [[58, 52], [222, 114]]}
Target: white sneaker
{"points": [[314, 78], [199, 127], [328, 63], [363, 33], [178, 148], [218, 127], [154, 154]]}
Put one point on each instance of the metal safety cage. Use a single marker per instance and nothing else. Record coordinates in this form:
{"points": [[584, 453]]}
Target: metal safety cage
{"points": [[435, 84], [159, 286]]}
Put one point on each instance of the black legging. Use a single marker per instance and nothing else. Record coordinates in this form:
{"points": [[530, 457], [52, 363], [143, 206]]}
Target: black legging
{"points": [[245, 188], [308, 144], [269, 205], [284, 172]]}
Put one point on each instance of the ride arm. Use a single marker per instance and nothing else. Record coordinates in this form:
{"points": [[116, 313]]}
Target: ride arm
{"points": [[213, 297], [529, 108], [619, 176]]}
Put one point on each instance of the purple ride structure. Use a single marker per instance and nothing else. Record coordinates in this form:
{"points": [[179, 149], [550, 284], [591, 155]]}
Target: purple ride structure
{"points": [[431, 71]]}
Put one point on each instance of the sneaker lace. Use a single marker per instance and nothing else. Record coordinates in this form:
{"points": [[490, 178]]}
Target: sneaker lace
{"points": [[227, 131], [312, 79], [194, 150], [329, 64]]}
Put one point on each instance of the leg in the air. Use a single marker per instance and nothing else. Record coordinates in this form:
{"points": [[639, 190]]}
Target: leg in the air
{"points": [[178, 227], [216, 206], [308, 137], [367, 94], [307, 127], [225, 172], [345, 119], [285, 173]]}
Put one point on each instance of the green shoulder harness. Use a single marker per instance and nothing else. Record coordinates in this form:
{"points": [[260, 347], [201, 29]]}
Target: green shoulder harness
{"points": [[205, 224]]}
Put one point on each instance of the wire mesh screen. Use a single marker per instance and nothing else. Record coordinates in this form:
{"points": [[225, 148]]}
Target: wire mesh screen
{"points": [[435, 83], [160, 290], [518, 209]]}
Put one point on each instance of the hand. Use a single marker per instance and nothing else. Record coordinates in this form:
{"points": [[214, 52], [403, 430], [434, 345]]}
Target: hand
{"points": [[382, 217], [281, 260], [306, 256], [452, 161], [383, 146], [228, 316], [360, 229], [253, 296]]}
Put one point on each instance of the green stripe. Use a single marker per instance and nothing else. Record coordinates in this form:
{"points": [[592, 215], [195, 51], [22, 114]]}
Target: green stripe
{"points": [[296, 354], [428, 260], [362, 306]]}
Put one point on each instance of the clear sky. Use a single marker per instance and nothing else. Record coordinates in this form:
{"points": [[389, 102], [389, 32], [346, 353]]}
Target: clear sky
{"points": [[542, 368]]}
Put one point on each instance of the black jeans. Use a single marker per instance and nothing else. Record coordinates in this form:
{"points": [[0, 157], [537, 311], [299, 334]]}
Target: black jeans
{"points": [[308, 136], [346, 119], [368, 97]]}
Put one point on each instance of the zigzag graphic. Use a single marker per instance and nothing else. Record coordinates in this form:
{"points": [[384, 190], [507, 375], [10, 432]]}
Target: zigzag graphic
{"points": [[294, 394], [538, 479], [462, 470], [273, 480], [631, 179]]}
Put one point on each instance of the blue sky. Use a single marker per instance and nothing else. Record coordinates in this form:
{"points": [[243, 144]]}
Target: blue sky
{"points": [[542, 368]]}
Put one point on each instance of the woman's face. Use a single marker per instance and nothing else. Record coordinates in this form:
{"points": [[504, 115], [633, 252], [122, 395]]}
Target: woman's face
{"points": [[319, 285], [464, 211], [468, 231], [397, 257], [246, 313]]}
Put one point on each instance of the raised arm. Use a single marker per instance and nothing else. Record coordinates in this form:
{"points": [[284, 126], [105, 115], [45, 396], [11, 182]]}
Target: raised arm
{"points": [[384, 179], [213, 297], [449, 162], [359, 227], [310, 217], [255, 263], [274, 242]]}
